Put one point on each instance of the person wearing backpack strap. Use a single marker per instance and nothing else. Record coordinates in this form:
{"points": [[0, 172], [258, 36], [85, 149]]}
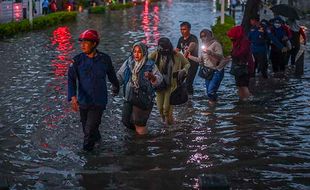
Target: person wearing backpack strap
{"points": [[87, 86]]}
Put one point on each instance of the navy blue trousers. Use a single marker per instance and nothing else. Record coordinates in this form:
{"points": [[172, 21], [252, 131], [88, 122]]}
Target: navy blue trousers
{"points": [[91, 119]]}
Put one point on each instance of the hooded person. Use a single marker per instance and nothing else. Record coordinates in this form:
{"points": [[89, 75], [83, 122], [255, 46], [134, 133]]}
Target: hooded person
{"points": [[209, 60], [174, 67], [242, 61], [138, 75]]}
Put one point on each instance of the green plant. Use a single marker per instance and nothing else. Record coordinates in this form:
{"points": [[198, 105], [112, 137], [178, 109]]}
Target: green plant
{"points": [[97, 9], [220, 31], [12, 28], [119, 6]]}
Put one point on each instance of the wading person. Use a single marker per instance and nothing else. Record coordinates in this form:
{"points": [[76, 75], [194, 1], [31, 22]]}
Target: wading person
{"points": [[87, 79], [188, 44], [173, 67], [258, 40], [211, 56], [278, 56], [138, 75], [297, 32], [242, 62]]}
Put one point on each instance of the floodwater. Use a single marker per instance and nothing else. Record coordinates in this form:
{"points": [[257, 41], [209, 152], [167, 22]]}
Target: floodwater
{"points": [[260, 144]]}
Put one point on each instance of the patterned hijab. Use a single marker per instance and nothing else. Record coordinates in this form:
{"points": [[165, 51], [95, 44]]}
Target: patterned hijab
{"points": [[207, 37], [137, 65]]}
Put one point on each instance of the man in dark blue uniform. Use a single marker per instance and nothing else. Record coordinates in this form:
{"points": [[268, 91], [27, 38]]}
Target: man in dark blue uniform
{"points": [[87, 86]]}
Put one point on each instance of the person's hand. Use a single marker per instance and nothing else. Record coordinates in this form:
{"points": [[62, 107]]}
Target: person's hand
{"points": [[285, 38], [150, 76], [181, 75], [115, 90], [209, 52], [186, 54], [227, 58], [284, 49], [74, 104]]}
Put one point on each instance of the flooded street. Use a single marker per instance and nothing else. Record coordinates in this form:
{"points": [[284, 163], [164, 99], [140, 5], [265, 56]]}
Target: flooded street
{"points": [[261, 144]]}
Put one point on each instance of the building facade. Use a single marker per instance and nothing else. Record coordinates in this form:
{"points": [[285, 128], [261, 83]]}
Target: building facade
{"points": [[16, 10]]}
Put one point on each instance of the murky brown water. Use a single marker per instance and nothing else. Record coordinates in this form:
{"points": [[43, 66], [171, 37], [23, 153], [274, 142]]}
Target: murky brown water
{"points": [[261, 144]]}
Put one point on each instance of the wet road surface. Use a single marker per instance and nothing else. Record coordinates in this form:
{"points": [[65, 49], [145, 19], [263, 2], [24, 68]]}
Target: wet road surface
{"points": [[261, 144]]}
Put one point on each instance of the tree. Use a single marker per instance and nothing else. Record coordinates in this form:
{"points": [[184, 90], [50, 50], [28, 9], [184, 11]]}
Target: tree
{"points": [[251, 10]]}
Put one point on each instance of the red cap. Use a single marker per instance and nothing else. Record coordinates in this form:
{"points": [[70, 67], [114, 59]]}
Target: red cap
{"points": [[89, 35]]}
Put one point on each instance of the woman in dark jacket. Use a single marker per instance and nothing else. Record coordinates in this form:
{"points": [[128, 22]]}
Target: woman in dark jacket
{"points": [[138, 74]]}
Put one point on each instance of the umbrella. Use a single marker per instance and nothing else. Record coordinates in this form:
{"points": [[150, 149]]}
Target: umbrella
{"points": [[286, 11]]}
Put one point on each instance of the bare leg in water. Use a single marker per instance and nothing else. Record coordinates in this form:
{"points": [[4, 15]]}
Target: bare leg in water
{"points": [[141, 130], [244, 93]]}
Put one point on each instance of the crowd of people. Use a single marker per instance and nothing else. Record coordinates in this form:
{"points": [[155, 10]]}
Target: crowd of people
{"points": [[144, 76]]}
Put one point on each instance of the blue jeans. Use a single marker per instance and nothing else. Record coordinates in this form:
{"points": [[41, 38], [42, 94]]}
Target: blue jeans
{"points": [[213, 85]]}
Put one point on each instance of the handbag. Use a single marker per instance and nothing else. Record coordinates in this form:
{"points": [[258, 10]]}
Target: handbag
{"points": [[141, 97], [205, 72], [162, 86], [238, 70], [179, 95]]}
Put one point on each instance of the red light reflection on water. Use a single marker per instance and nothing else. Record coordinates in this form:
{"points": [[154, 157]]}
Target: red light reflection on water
{"points": [[150, 27], [156, 23], [146, 23], [62, 39]]}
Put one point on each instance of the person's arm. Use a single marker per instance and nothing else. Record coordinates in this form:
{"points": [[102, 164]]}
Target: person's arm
{"points": [[72, 87], [191, 47], [216, 52], [193, 58], [154, 76], [178, 48], [185, 66], [121, 73], [184, 63], [153, 55], [303, 35], [112, 77], [274, 40]]}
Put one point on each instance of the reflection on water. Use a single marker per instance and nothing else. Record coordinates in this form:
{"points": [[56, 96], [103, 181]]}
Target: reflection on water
{"points": [[261, 144]]}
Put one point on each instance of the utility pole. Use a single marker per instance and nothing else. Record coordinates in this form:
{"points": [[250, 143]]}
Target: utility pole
{"points": [[30, 12], [222, 11]]}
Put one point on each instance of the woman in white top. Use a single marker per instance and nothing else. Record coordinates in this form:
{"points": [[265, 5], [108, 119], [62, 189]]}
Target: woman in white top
{"points": [[210, 59]]}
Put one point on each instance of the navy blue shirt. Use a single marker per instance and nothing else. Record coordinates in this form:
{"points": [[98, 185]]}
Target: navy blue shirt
{"points": [[87, 79], [259, 37]]}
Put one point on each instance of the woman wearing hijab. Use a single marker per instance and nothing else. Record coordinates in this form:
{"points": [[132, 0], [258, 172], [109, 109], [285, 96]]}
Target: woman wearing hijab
{"points": [[211, 56], [138, 75], [173, 66]]}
